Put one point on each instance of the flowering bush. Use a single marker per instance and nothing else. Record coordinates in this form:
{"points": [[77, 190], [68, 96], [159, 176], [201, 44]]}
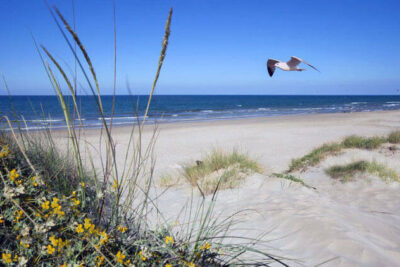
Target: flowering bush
{"points": [[40, 226]]}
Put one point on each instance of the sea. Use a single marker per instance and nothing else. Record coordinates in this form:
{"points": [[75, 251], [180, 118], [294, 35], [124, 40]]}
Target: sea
{"points": [[38, 112]]}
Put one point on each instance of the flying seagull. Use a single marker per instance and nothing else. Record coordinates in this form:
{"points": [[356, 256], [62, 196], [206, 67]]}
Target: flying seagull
{"points": [[291, 65]]}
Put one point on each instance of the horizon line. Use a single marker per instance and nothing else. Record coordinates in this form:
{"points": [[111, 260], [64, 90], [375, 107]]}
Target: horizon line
{"points": [[79, 95]]}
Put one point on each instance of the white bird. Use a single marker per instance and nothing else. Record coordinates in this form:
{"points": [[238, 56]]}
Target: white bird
{"points": [[291, 65]]}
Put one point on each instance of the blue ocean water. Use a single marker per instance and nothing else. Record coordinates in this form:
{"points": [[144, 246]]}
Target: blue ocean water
{"points": [[42, 111]]}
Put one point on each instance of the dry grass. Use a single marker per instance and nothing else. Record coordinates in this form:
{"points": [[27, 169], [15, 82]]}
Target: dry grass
{"points": [[218, 169], [168, 180]]}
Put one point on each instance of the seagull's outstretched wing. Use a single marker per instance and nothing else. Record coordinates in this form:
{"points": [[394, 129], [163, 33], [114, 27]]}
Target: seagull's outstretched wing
{"points": [[271, 66], [294, 61]]}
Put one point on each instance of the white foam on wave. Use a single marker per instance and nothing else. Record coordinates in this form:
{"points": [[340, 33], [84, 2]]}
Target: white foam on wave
{"points": [[207, 111], [118, 118], [356, 103], [46, 120], [300, 108]]}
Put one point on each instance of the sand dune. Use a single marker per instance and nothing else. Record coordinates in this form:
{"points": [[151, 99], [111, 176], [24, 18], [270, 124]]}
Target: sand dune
{"points": [[350, 224]]}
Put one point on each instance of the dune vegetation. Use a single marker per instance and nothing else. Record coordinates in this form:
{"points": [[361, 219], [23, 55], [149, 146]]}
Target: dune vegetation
{"points": [[394, 137], [315, 156], [361, 142], [356, 142], [292, 178], [218, 170], [59, 209], [349, 171]]}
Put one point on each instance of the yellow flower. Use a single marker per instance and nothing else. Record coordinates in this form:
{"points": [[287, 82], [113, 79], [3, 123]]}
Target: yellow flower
{"points": [[24, 245], [79, 228], [104, 237], [115, 184], [89, 226], [99, 260], [6, 257], [62, 243], [1, 219], [76, 201], [74, 193], [87, 223], [45, 205], [50, 249], [58, 211], [4, 152], [122, 229], [34, 181], [15, 258], [18, 215], [143, 258], [53, 240], [82, 184], [169, 239], [191, 264], [63, 265], [13, 174], [205, 246], [168, 265], [54, 203], [120, 257]]}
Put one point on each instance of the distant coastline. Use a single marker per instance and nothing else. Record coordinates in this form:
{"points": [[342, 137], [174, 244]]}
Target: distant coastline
{"points": [[39, 112]]}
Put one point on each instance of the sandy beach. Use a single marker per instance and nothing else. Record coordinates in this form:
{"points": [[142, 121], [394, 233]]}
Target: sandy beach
{"points": [[345, 224], [273, 141]]}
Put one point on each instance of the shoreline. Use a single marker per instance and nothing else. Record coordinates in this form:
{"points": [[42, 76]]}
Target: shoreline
{"points": [[229, 121]]}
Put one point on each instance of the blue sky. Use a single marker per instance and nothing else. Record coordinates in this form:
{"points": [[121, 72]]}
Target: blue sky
{"points": [[216, 47]]}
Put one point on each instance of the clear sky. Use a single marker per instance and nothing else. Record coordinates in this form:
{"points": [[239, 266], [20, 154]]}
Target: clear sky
{"points": [[216, 46]]}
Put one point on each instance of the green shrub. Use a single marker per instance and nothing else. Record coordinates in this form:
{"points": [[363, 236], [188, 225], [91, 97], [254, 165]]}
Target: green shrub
{"points": [[355, 141], [40, 226], [394, 137]]}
